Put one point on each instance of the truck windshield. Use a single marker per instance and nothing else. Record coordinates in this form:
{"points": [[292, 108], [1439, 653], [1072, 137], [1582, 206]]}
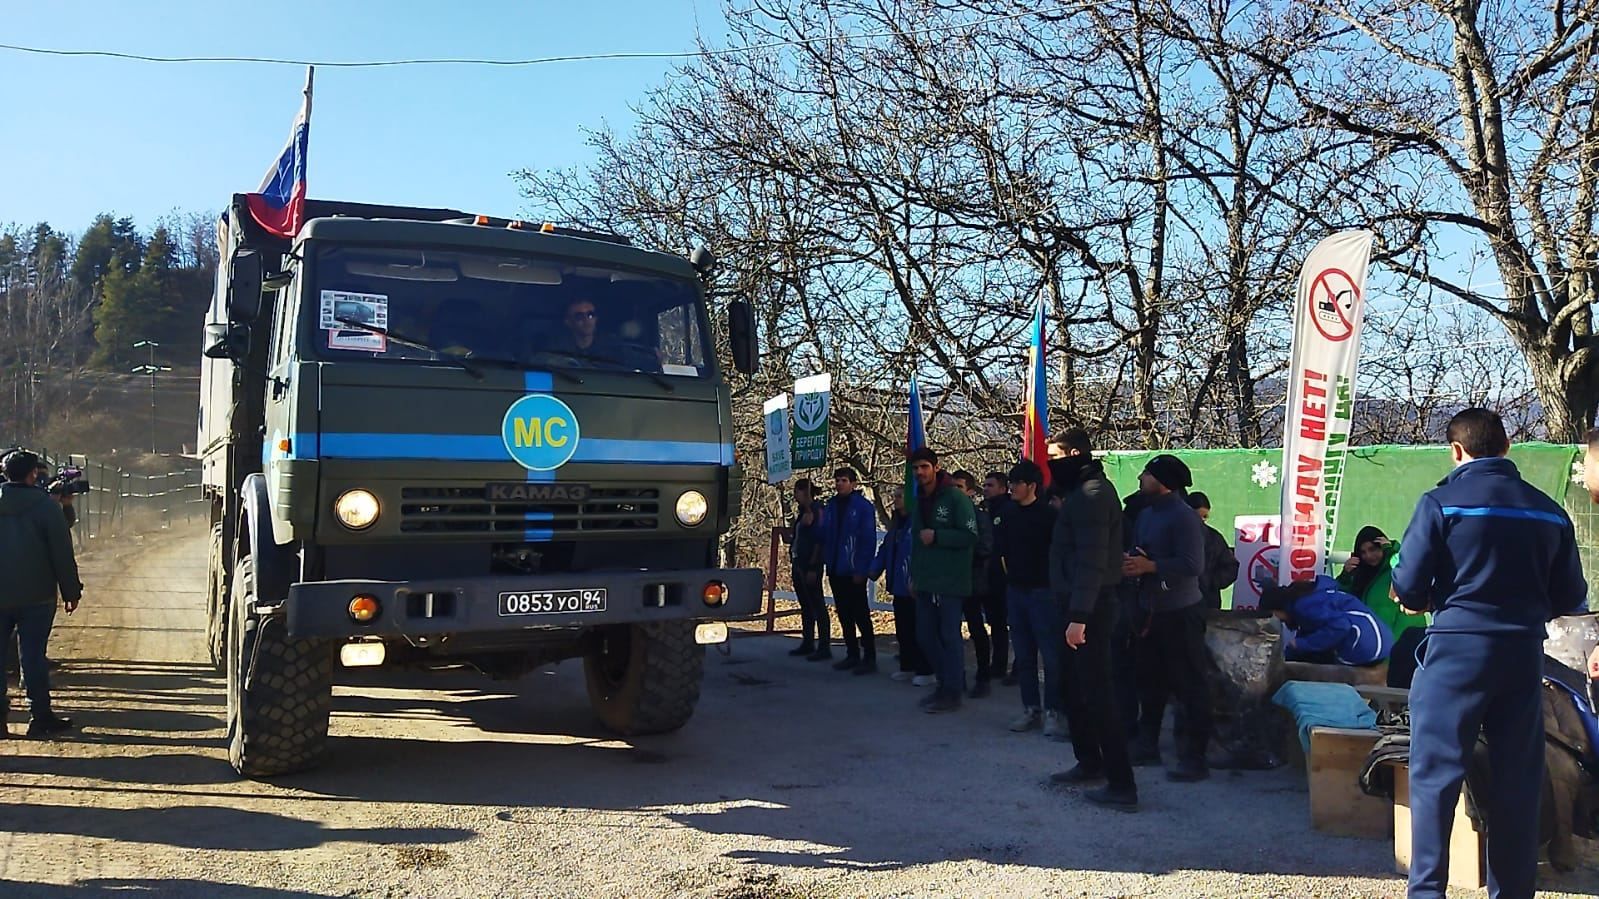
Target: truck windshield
{"points": [[536, 311]]}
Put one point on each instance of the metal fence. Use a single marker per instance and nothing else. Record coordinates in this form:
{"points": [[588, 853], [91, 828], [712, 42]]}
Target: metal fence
{"points": [[121, 502]]}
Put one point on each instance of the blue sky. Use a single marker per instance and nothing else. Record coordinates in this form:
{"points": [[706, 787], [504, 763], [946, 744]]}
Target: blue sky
{"points": [[84, 135]]}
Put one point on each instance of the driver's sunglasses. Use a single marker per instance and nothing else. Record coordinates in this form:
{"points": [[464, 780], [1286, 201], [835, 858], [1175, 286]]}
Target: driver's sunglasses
{"points": [[589, 314]]}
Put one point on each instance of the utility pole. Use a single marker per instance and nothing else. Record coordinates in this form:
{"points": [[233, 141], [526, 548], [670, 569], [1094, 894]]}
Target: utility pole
{"points": [[152, 370]]}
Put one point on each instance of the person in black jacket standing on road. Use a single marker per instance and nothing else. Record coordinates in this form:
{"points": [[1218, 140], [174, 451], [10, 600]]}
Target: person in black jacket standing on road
{"points": [[996, 602], [973, 609], [36, 556], [1220, 570], [1167, 553], [1085, 570], [1022, 542]]}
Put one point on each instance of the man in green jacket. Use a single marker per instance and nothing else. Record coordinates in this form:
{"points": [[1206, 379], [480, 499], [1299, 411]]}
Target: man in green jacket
{"points": [[941, 575], [36, 555]]}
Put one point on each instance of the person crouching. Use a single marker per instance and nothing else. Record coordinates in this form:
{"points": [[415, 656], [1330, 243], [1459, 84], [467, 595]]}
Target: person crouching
{"points": [[1330, 627]]}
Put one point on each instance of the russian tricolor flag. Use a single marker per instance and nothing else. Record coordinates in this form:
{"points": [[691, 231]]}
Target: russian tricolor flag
{"points": [[1035, 410], [279, 204]]}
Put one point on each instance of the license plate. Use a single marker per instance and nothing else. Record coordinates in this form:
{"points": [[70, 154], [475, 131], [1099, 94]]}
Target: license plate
{"points": [[552, 602]]}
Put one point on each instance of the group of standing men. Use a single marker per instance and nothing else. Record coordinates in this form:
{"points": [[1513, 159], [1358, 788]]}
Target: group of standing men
{"points": [[1051, 565]]}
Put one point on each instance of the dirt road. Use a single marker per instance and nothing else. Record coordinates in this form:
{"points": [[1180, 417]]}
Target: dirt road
{"points": [[791, 781]]}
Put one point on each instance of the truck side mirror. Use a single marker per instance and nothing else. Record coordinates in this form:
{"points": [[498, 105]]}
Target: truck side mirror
{"points": [[226, 340], [244, 286], [741, 334]]}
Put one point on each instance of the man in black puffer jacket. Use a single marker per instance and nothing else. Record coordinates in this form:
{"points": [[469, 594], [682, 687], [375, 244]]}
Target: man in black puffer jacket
{"points": [[36, 555], [1085, 569]]}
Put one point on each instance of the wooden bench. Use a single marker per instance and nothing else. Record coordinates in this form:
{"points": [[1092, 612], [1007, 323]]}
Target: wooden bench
{"points": [[1337, 804], [1373, 676], [1468, 849]]}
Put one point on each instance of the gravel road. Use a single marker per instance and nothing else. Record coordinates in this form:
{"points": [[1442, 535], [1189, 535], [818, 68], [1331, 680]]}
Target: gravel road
{"points": [[791, 781]]}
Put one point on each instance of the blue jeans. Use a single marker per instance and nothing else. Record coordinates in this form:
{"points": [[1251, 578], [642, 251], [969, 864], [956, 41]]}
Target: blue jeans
{"points": [[1469, 683], [938, 632], [1036, 630], [32, 624]]}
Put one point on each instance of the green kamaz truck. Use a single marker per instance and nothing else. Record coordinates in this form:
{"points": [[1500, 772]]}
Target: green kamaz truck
{"points": [[439, 440]]}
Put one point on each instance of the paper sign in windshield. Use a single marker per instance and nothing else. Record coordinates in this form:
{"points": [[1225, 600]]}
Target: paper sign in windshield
{"points": [[340, 309]]}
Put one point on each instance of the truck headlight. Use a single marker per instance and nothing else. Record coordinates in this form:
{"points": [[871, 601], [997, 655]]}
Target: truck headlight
{"points": [[357, 509], [692, 508]]}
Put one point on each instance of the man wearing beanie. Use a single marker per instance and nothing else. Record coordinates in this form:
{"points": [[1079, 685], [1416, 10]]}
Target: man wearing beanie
{"points": [[1167, 555], [1085, 558]]}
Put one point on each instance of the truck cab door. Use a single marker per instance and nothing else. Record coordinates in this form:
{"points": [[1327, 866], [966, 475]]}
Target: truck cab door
{"points": [[289, 450]]}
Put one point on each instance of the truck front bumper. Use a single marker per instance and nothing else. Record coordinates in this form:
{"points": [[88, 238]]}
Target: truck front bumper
{"points": [[320, 609]]}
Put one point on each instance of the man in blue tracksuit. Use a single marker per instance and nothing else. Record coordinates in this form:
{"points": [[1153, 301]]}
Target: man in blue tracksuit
{"points": [[1329, 626], [1493, 559], [849, 534]]}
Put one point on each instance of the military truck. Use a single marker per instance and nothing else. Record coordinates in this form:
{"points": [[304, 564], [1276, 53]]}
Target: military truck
{"points": [[441, 441]]}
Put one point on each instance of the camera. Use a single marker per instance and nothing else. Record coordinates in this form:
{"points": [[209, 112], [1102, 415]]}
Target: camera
{"points": [[67, 482]]}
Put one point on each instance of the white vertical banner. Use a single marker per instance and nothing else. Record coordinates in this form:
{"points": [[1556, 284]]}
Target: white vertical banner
{"points": [[779, 447], [813, 401], [1329, 307]]}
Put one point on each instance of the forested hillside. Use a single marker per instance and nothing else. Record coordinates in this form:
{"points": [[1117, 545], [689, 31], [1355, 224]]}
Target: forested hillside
{"points": [[75, 303]]}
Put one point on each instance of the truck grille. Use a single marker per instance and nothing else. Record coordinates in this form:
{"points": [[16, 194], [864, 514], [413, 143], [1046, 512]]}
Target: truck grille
{"points": [[465, 510]]}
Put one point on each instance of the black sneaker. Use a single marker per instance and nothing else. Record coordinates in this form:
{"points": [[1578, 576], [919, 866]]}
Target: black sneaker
{"points": [[821, 654], [1119, 798], [943, 702], [847, 663], [44, 727], [867, 666], [804, 649], [1188, 771], [980, 689], [1077, 775]]}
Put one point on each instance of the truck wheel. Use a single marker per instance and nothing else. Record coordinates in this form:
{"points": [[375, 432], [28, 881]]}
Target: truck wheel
{"points": [[216, 604], [645, 678], [278, 722]]}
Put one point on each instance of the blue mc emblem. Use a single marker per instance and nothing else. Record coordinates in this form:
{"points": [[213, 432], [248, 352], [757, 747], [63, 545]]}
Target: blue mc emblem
{"points": [[540, 432]]}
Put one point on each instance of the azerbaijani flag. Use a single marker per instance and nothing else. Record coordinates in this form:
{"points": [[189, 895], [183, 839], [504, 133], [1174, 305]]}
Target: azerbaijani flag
{"points": [[278, 205], [915, 439], [1035, 409]]}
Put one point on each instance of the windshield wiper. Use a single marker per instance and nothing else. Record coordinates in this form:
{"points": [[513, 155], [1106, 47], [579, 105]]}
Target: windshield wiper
{"points": [[414, 344], [657, 377], [524, 366]]}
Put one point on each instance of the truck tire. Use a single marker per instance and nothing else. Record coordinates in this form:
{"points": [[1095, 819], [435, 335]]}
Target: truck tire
{"points": [[645, 678], [216, 604], [278, 721]]}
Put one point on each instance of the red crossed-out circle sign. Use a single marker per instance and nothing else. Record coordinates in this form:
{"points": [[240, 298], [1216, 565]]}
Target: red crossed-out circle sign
{"points": [[1333, 298], [1264, 559]]}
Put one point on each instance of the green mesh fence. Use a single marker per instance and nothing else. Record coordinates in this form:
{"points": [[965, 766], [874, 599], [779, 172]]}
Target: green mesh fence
{"points": [[1381, 485]]}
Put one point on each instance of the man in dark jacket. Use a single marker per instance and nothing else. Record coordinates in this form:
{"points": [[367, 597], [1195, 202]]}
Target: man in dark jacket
{"points": [[1220, 569], [849, 526], [1023, 540], [1172, 658], [805, 566], [36, 556], [974, 609], [1493, 559], [996, 602], [1085, 559]]}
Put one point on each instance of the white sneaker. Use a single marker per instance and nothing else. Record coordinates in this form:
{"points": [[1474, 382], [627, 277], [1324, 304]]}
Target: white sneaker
{"points": [[1026, 722], [901, 676], [923, 680], [1052, 726]]}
